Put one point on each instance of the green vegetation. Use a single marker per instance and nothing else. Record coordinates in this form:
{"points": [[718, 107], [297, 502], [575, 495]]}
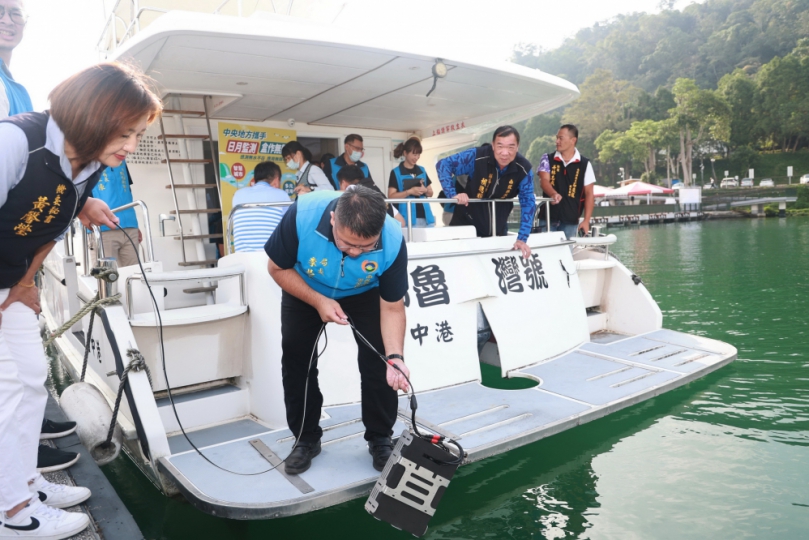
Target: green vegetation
{"points": [[662, 94], [803, 198]]}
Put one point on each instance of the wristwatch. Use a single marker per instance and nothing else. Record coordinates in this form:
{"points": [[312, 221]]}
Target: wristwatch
{"points": [[396, 356]]}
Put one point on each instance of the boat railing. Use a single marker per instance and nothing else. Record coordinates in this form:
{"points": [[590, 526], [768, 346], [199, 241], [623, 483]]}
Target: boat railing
{"points": [[132, 26], [96, 232], [206, 275], [147, 227], [492, 202]]}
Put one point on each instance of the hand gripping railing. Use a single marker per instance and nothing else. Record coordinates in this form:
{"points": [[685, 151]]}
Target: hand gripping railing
{"points": [[493, 202]]}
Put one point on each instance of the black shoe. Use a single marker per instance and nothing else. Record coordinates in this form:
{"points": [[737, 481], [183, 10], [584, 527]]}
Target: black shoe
{"points": [[301, 458], [380, 449], [52, 459], [54, 430]]}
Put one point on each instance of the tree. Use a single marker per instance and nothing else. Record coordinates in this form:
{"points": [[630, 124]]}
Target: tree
{"points": [[740, 92], [543, 125], [603, 105], [619, 148], [646, 141], [742, 159], [699, 114], [783, 102], [540, 145]]}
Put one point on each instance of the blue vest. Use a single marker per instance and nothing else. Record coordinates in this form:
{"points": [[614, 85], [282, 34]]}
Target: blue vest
{"points": [[18, 99], [335, 168], [403, 207], [324, 267], [113, 189]]}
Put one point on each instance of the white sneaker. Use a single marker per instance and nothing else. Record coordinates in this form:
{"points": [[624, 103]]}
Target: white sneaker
{"points": [[58, 495], [38, 520]]}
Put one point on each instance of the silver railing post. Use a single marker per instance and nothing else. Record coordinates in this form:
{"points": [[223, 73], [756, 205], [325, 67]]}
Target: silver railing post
{"points": [[146, 225], [85, 246], [99, 246], [69, 241]]}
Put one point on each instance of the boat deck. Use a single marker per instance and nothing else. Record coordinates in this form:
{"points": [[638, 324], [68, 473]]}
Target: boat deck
{"points": [[609, 373]]}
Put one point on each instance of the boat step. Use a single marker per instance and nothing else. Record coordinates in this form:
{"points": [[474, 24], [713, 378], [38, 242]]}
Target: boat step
{"points": [[198, 263], [192, 186], [585, 384], [182, 112], [194, 290], [203, 211], [188, 161], [203, 408], [181, 136], [199, 236]]}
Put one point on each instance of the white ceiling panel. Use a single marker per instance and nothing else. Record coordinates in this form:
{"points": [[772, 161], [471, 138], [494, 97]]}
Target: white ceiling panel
{"points": [[333, 77], [300, 50], [247, 64], [176, 79]]}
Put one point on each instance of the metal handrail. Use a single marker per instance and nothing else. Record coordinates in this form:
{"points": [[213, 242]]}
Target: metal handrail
{"points": [[146, 225], [135, 22], [204, 274], [96, 230], [546, 201]]}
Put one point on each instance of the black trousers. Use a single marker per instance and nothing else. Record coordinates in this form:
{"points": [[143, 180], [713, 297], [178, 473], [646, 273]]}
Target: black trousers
{"points": [[300, 324]]}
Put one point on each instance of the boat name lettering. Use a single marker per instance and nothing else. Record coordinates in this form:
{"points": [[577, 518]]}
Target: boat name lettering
{"points": [[430, 286], [508, 273], [443, 332]]}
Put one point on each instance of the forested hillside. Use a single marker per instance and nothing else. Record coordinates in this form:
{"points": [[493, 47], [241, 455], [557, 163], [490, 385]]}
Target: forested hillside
{"points": [[726, 79]]}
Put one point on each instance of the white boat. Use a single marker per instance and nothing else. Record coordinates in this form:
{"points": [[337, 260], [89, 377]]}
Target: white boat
{"points": [[576, 321]]}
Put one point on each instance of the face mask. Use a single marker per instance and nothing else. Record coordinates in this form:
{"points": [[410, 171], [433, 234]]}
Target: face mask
{"points": [[355, 156], [292, 164]]}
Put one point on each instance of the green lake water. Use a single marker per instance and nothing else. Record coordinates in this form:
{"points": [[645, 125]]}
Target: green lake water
{"points": [[724, 457]]}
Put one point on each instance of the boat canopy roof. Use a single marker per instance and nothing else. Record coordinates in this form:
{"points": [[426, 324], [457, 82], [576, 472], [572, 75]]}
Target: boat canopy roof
{"points": [[274, 67]]}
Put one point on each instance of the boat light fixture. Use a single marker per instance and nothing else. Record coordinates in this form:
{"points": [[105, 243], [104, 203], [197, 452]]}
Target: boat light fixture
{"points": [[439, 72]]}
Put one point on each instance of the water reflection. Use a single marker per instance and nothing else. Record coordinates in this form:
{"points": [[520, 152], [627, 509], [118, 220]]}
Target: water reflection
{"points": [[723, 457]]}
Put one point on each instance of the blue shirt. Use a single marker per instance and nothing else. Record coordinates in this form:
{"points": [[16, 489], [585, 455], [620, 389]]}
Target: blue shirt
{"points": [[283, 247], [253, 226], [113, 188], [18, 99], [464, 163]]}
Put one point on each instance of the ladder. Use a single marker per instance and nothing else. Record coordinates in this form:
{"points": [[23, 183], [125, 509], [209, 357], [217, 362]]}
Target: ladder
{"points": [[191, 230]]}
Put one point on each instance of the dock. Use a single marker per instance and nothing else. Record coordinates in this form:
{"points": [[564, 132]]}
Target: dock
{"points": [[109, 518]]}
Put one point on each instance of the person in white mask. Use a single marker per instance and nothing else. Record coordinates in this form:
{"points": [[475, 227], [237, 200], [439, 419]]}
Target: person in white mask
{"points": [[354, 150], [298, 158]]}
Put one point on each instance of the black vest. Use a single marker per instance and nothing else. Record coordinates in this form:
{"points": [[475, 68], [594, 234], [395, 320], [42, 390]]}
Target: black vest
{"points": [[487, 182], [569, 183], [42, 204]]}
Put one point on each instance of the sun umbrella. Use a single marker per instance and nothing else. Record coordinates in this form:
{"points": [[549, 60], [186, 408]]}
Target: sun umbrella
{"points": [[639, 188]]}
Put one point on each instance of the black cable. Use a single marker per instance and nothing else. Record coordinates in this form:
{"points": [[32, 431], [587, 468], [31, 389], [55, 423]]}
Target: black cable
{"points": [[438, 440], [312, 358]]}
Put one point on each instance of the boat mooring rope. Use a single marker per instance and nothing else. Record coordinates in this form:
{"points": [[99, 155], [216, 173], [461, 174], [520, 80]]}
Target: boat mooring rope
{"points": [[136, 363], [85, 309]]}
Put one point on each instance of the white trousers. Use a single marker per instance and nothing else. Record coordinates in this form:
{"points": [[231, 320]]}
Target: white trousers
{"points": [[23, 370]]}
